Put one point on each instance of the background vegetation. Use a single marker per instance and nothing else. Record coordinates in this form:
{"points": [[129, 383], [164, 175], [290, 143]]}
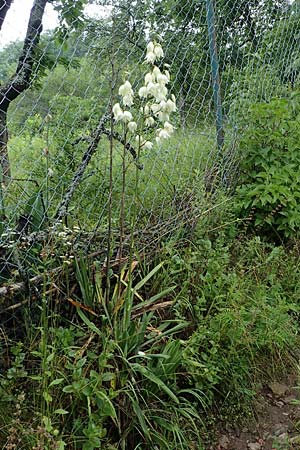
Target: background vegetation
{"points": [[169, 288]]}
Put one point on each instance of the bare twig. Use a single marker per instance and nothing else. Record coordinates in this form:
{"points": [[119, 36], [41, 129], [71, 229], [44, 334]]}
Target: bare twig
{"points": [[63, 207], [117, 137], [154, 307], [93, 145], [18, 288]]}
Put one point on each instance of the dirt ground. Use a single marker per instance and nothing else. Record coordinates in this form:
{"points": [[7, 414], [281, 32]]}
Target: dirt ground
{"points": [[277, 424]]}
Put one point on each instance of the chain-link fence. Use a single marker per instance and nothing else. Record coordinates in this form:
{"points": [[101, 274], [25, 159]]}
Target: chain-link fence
{"points": [[74, 179]]}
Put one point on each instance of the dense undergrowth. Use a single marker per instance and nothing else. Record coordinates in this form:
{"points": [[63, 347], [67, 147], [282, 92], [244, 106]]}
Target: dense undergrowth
{"points": [[136, 352], [216, 314]]}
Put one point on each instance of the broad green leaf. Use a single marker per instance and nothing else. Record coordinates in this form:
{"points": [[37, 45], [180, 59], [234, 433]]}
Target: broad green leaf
{"points": [[56, 382], [90, 324], [61, 411], [156, 380], [102, 396]]}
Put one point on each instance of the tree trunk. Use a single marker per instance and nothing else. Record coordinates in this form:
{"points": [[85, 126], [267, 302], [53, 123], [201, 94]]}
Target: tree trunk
{"points": [[22, 78], [4, 7]]}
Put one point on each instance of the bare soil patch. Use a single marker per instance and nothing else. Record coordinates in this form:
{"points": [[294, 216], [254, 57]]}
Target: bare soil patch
{"points": [[277, 422]]}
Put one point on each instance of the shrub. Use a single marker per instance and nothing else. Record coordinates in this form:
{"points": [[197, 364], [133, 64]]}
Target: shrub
{"points": [[269, 185]]}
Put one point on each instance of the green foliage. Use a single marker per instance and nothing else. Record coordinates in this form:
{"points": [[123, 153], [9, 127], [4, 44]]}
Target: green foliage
{"points": [[112, 380], [269, 186], [123, 377], [251, 84], [239, 298], [126, 372], [281, 48]]}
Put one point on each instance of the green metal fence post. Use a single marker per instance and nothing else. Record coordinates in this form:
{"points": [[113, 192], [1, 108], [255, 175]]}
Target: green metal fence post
{"points": [[211, 23]]}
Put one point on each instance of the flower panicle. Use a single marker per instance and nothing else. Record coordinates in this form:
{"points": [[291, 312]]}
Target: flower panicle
{"points": [[157, 104]]}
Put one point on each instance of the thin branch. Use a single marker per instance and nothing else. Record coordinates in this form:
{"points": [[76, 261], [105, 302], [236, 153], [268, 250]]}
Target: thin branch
{"points": [[20, 287], [63, 207], [127, 145], [155, 307], [92, 148], [115, 136]]}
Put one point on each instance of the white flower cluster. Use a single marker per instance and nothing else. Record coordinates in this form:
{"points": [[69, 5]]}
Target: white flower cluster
{"points": [[156, 106]]}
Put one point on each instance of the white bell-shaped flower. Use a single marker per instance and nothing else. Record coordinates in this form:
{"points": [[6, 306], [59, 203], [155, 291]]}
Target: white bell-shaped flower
{"points": [[128, 100], [148, 145], [132, 126], [155, 108], [126, 89], [156, 72], [117, 112], [169, 128], [158, 51], [162, 133], [143, 92], [150, 57], [170, 106], [163, 116], [162, 79], [149, 121], [148, 78], [150, 47], [127, 116]]}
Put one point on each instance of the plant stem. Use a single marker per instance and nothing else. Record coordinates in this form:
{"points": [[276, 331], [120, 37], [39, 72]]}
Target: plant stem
{"points": [[110, 190]]}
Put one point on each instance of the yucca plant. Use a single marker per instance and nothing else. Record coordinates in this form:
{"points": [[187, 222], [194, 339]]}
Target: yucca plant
{"points": [[124, 386]]}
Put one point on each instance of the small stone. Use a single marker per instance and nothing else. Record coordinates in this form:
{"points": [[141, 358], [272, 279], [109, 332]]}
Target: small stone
{"points": [[245, 430], [278, 389], [254, 446], [279, 403], [224, 441]]}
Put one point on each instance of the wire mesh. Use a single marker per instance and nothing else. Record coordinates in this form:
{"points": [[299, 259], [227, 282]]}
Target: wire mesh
{"points": [[60, 125]]}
